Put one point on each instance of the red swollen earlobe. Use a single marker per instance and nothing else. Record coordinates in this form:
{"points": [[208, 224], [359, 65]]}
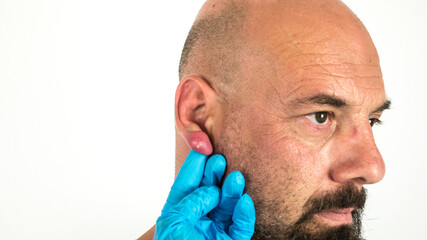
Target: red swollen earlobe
{"points": [[199, 142]]}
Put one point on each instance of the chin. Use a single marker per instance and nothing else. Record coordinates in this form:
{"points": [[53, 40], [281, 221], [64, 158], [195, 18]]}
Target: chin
{"points": [[314, 229]]}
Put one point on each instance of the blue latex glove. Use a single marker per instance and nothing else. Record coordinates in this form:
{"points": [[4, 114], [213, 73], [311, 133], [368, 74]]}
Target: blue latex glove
{"points": [[195, 194]]}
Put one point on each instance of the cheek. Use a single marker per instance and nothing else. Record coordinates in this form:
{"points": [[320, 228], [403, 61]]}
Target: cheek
{"points": [[298, 169], [303, 155], [281, 173], [301, 161], [252, 141], [302, 130], [284, 146]]}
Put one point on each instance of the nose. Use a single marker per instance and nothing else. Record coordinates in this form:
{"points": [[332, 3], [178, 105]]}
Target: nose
{"points": [[357, 158]]}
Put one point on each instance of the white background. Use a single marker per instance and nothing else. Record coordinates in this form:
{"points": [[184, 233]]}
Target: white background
{"points": [[86, 115]]}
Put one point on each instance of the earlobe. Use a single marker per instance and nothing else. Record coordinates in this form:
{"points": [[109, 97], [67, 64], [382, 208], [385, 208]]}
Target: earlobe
{"points": [[199, 142], [194, 101]]}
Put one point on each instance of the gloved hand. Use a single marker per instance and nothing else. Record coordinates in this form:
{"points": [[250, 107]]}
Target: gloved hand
{"points": [[197, 209]]}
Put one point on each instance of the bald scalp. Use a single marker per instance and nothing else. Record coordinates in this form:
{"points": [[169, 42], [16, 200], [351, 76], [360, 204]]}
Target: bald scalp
{"points": [[214, 44], [227, 33]]}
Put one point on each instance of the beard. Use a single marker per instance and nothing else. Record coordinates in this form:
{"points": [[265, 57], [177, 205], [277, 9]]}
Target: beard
{"points": [[306, 229]]}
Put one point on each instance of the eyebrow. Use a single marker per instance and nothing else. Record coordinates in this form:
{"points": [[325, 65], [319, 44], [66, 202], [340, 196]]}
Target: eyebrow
{"points": [[324, 99], [386, 105]]}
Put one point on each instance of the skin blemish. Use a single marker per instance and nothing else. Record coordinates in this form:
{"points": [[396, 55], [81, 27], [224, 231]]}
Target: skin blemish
{"points": [[354, 133]]}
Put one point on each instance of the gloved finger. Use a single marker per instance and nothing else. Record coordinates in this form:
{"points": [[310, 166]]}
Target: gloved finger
{"points": [[188, 179], [214, 170], [197, 204], [231, 191], [243, 219]]}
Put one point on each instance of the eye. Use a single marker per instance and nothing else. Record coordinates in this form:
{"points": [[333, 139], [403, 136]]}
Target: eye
{"points": [[319, 118], [374, 121]]}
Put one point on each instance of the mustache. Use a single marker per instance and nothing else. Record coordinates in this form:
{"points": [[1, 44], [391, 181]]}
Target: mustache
{"points": [[344, 197]]}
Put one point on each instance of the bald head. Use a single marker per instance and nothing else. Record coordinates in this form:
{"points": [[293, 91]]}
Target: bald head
{"points": [[227, 32]]}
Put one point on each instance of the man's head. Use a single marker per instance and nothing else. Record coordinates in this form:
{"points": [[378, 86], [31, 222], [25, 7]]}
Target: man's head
{"points": [[287, 91]]}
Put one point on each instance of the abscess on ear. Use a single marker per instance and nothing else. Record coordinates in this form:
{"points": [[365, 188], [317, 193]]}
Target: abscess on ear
{"points": [[199, 142]]}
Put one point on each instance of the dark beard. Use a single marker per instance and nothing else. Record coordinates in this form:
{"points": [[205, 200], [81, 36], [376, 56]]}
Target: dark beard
{"points": [[345, 197]]}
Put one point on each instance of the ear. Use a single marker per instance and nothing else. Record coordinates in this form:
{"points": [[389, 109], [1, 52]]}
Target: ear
{"points": [[195, 101]]}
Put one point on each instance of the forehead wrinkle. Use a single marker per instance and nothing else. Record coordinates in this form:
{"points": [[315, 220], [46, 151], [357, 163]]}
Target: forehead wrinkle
{"points": [[346, 67], [348, 77], [304, 94], [344, 76]]}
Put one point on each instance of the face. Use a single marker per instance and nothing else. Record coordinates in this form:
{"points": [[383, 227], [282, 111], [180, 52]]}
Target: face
{"points": [[299, 128]]}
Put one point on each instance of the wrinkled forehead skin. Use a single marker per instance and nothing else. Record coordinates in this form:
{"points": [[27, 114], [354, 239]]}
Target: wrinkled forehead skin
{"points": [[308, 42]]}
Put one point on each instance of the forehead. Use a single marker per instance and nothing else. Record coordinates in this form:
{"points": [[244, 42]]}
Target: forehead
{"points": [[358, 84], [324, 49], [355, 82]]}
